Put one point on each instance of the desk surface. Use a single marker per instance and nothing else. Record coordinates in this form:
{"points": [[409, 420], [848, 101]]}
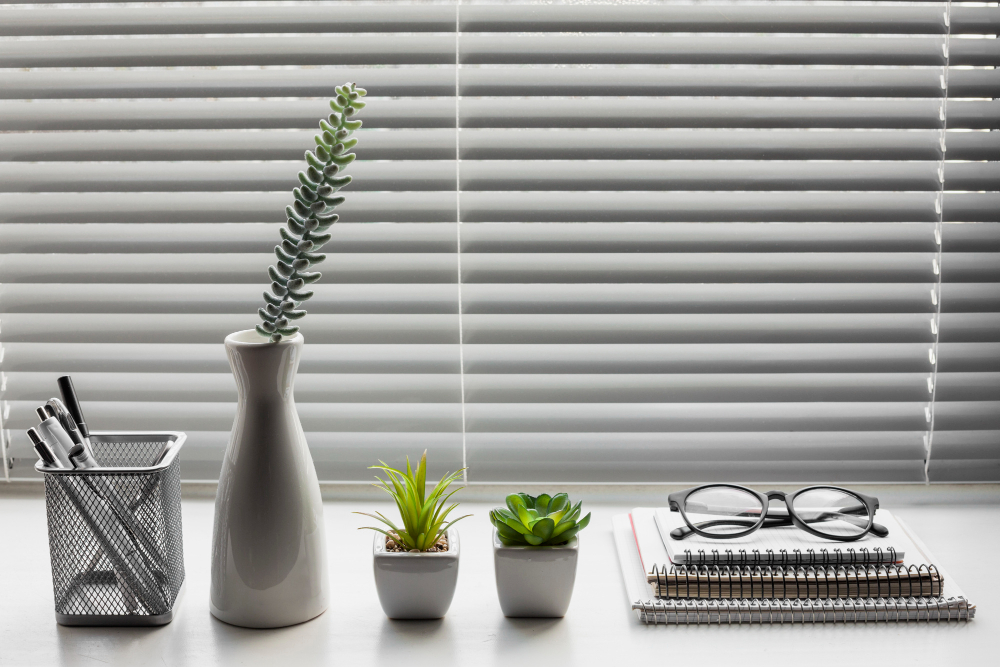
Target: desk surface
{"points": [[599, 629]]}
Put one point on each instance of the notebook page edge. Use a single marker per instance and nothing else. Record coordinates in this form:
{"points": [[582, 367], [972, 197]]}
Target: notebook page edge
{"points": [[951, 587], [628, 560]]}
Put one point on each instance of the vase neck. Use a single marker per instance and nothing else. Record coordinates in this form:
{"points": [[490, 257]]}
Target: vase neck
{"points": [[265, 370]]}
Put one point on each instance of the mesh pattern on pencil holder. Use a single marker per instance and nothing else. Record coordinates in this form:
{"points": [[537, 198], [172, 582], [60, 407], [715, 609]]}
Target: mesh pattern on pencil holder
{"points": [[115, 538]]}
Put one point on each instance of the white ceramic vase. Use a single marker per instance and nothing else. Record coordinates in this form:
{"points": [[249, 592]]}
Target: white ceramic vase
{"points": [[269, 564]]}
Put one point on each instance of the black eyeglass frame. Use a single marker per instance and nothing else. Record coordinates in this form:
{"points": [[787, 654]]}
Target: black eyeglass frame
{"points": [[678, 499]]}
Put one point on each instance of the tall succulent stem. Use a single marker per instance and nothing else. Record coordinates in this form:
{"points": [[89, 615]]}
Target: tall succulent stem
{"points": [[310, 216]]}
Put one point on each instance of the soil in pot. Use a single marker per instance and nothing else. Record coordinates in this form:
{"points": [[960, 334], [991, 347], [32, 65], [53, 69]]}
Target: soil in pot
{"points": [[391, 546]]}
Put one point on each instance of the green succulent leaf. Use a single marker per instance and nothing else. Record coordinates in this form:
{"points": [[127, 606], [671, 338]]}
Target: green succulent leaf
{"points": [[558, 502], [343, 160], [297, 212], [273, 274], [338, 182], [313, 258], [305, 180], [510, 542], [543, 528], [315, 161], [282, 255], [320, 239]]}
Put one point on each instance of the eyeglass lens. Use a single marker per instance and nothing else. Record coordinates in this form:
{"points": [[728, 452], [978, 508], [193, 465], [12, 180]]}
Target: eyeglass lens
{"points": [[832, 512], [722, 510]]}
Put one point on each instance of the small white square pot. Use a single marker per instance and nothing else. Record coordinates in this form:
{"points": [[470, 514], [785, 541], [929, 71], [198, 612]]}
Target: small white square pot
{"points": [[535, 582], [416, 585]]}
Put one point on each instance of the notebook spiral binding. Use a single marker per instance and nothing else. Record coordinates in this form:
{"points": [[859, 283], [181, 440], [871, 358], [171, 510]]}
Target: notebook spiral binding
{"points": [[862, 610], [791, 582], [849, 556]]}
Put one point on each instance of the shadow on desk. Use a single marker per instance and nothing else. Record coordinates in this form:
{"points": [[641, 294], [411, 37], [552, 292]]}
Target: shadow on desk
{"points": [[433, 637], [523, 634]]}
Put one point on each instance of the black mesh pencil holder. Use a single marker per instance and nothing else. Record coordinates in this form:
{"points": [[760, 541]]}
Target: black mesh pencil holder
{"points": [[115, 531]]}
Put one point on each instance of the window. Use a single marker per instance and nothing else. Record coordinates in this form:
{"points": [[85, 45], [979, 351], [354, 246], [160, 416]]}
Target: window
{"points": [[586, 242]]}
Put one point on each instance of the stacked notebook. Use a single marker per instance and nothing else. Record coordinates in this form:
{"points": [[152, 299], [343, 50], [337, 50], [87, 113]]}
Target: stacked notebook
{"points": [[780, 575]]}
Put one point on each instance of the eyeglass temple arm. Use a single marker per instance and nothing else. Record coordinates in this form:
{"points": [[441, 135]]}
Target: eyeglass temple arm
{"points": [[844, 514]]}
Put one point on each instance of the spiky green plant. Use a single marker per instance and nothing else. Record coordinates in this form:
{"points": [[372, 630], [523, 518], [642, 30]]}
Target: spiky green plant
{"points": [[310, 216], [423, 515], [538, 521]]}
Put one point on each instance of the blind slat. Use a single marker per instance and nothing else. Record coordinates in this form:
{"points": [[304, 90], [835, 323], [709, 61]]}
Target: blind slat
{"points": [[507, 144], [506, 298], [513, 388], [548, 417], [586, 359], [595, 237], [508, 267], [517, 329], [487, 48], [498, 18], [488, 175], [501, 113], [539, 80]]}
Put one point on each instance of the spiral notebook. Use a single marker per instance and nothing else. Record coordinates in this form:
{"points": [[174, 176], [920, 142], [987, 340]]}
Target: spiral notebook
{"points": [[779, 546], [951, 605], [707, 582]]}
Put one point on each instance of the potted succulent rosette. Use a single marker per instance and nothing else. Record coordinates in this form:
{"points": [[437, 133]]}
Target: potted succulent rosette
{"points": [[416, 564], [535, 549]]}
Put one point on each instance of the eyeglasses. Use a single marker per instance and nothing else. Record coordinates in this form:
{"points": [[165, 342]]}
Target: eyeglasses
{"points": [[726, 511]]}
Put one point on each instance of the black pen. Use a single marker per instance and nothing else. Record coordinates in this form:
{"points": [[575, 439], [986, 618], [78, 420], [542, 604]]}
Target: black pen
{"points": [[42, 449], [54, 435], [73, 406]]}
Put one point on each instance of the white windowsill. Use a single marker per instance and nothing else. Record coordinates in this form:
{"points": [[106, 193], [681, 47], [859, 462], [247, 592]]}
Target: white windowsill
{"points": [[599, 629]]}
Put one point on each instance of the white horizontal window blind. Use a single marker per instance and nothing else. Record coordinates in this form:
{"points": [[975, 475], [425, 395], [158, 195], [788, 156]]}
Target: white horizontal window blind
{"points": [[586, 242]]}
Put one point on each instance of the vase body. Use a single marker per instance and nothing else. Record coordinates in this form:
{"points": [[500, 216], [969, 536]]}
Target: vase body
{"points": [[416, 585], [269, 564], [535, 582]]}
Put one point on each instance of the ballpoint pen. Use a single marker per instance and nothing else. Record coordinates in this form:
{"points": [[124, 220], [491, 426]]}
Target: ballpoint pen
{"points": [[81, 458], [69, 396], [67, 420], [43, 449], [55, 436]]}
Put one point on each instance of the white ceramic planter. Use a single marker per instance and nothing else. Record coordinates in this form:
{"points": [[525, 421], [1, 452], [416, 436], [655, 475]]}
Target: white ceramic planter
{"points": [[535, 582], [268, 549], [416, 585]]}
